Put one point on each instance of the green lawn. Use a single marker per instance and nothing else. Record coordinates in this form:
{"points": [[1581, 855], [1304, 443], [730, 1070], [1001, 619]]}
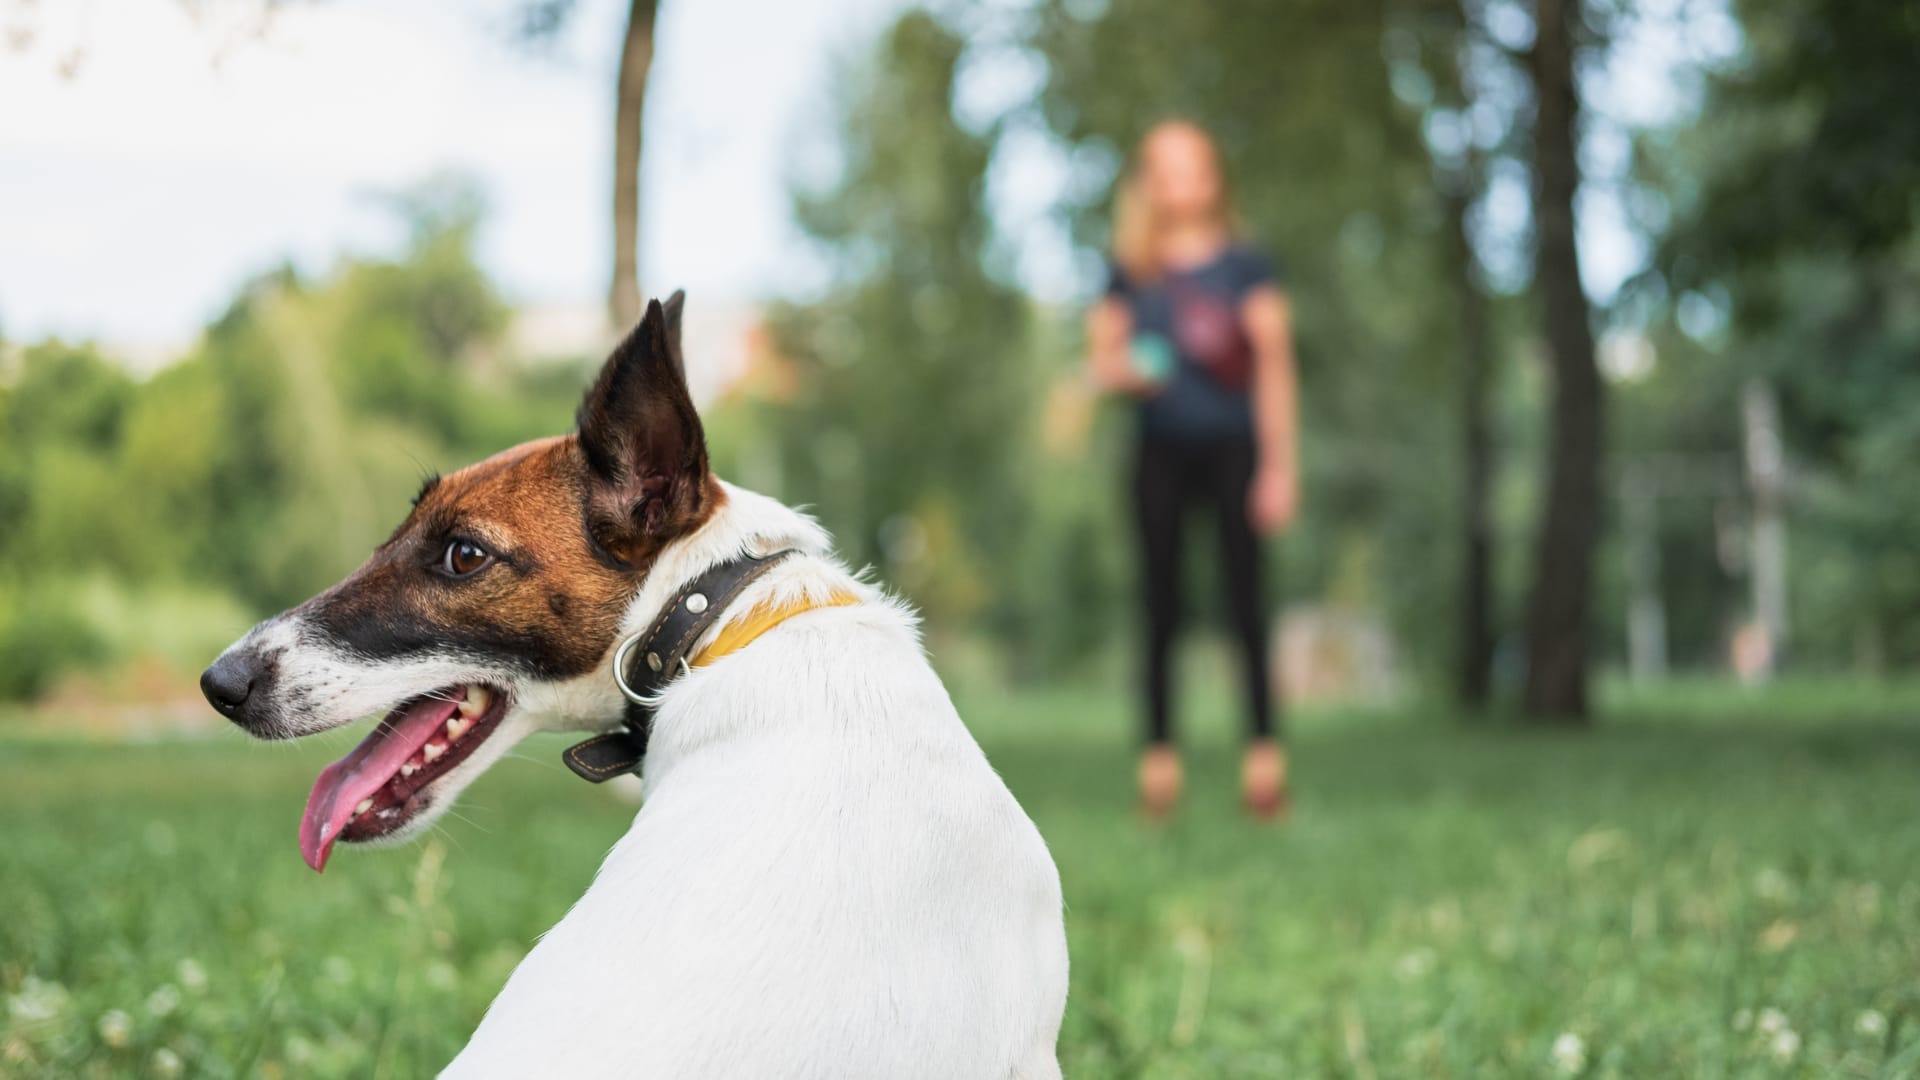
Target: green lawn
{"points": [[1711, 885]]}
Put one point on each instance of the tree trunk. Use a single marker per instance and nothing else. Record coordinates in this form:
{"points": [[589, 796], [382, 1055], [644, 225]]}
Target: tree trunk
{"points": [[1557, 615], [1474, 686], [636, 57], [1766, 479]]}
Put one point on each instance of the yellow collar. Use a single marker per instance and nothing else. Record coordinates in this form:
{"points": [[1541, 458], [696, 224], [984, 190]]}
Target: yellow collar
{"points": [[743, 631]]}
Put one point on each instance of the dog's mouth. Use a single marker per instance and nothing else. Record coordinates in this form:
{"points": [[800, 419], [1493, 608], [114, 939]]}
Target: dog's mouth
{"points": [[382, 784]]}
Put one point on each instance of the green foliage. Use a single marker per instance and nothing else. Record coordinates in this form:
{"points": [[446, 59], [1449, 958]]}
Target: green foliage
{"points": [[1793, 253], [41, 637], [913, 424], [173, 442], [62, 419], [921, 378], [406, 327], [1813, 151], [263, 465], [1444, 903], [67, 395], [1332, 176], [266, 463]]}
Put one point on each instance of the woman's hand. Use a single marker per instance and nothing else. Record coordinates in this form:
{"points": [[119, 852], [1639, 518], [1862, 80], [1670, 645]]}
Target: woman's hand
{"points": [[1272, 499], [1119, 378], [1275, 493], [1109, 365]]}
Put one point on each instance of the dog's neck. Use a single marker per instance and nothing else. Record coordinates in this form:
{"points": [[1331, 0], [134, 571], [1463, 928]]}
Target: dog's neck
{"points": [[745, 523]]}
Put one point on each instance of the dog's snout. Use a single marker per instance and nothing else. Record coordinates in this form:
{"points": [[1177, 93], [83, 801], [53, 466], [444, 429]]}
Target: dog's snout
{"points": [[229, 681]]}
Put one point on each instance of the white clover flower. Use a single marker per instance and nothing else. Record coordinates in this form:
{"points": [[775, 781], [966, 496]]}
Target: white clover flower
{"points": [[37, 1001], [116, 1028], [1413, 965], [163, 1001], [166, 1063], [1785, 1045], [1772, 1021], [1771, 884], [1569, 1053], [192, 975], [1872, 1023], [300, 1049]]}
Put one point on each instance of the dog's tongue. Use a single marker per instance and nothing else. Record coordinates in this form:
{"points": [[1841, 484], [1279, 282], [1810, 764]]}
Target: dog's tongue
{"points": [[364, 771]]}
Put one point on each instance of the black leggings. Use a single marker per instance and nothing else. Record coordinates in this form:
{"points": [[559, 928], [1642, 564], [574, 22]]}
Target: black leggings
{"points": [[1169, 478]]}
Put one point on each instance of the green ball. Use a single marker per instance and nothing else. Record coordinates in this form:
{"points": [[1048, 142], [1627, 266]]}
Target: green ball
{"points": [[1152, 356]]}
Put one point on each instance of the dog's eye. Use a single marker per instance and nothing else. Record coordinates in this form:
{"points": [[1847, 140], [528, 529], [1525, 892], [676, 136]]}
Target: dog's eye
{"points": [[463, 557]]}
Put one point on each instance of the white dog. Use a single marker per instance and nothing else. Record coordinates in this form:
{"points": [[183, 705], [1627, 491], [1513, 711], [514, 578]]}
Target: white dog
{"points": [[827, 879]]}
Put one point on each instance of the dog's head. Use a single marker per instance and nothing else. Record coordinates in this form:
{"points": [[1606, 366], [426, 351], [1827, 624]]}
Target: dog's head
{"points": [[473, 624]]}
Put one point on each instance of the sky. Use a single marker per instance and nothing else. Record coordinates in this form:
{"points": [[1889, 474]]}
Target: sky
{"points": [[150, 161], [154, 154]]}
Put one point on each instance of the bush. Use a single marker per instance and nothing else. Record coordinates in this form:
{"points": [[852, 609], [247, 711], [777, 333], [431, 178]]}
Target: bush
{"points": [[41, 638]]}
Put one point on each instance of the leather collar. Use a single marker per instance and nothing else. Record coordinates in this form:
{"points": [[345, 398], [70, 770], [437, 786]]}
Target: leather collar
{"points": [[646, 662]]}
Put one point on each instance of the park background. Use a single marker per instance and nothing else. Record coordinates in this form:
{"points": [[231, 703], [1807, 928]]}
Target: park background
{"points": [[1600, 620]]}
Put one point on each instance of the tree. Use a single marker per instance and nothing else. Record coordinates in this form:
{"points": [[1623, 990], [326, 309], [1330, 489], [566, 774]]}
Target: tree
{"points": [[1473, 682], [1795, 246], [910, 432], [540, 21], [409, 323], [1558, 610], [1465, 67], [630, 97]]}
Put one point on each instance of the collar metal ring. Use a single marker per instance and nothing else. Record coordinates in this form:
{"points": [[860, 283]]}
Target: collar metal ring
{"points": [[620, 670]]}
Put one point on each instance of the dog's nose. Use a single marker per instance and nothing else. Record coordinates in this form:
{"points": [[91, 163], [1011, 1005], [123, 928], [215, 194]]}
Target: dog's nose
{"points": [[228, 682]]}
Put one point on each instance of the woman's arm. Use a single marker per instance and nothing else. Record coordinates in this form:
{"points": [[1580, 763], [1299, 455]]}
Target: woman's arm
{"points": [[1109, 367], [1268, 318]]}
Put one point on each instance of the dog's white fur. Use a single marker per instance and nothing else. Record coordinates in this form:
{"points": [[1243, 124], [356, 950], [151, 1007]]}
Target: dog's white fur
{"points": [[826, 880]]}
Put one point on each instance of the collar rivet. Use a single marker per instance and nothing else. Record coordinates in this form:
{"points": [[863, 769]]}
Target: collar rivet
{"points": [[697, 603], [653, 660]]}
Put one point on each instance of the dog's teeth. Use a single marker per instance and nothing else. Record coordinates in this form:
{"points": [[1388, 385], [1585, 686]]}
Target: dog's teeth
{"points": [[365, 805], [476, 702], [408, 770], [432, 750], [457, 728]]}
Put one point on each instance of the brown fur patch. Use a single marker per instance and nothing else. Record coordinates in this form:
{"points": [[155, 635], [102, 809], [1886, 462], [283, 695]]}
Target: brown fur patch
{"points": [[550, 604]]}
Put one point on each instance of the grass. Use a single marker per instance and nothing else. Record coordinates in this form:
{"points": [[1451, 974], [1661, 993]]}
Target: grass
{"points": [[1711, 885]]}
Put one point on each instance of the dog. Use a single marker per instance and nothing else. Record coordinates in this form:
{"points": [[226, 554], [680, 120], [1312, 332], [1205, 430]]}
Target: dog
{"points": [[826, 877]]}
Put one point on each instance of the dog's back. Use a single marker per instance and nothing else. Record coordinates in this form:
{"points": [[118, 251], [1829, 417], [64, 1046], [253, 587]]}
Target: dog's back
{"points": [[827, 880]]}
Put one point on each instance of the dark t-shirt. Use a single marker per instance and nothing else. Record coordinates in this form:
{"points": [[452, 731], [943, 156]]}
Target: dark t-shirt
{"points": [[1194, 314]]}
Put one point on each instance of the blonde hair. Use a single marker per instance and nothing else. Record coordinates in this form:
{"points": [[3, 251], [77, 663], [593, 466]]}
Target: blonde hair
{"points": [[1136, 228]]}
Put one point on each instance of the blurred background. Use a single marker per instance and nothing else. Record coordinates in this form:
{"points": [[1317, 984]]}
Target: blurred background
{"points": [[1610, 365]]}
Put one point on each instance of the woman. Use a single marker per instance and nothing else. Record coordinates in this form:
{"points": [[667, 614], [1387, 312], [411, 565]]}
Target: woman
{"points": [[1195, 327]]}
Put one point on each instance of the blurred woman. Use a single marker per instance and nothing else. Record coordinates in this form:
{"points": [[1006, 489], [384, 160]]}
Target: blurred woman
{"points": [[1195, 327]]}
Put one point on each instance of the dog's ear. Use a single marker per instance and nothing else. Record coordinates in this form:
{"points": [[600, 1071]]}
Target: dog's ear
{"points": [[646, 455], [675, 304]]}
